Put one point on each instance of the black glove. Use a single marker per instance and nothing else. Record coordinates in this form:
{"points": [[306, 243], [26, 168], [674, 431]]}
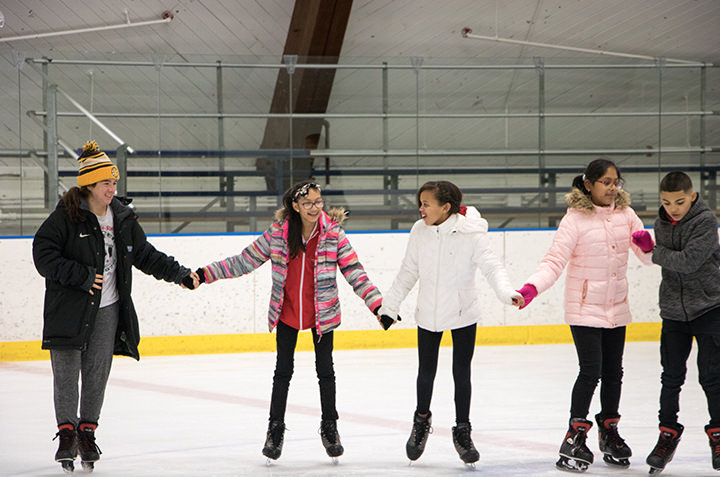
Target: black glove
{"points": [[201, 274], [188, 282], [387, 322]]}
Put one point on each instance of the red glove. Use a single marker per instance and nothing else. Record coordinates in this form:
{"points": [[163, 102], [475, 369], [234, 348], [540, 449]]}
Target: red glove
{"points": [[643, 240], [528, 292]]}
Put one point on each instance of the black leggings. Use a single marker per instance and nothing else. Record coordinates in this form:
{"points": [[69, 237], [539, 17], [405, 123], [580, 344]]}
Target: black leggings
{"points": [[600, 353], [463, 349], [284, 366]]}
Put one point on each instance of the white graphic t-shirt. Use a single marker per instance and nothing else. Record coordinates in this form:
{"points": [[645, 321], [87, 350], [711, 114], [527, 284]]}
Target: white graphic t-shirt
{"points": [[109, 293]]}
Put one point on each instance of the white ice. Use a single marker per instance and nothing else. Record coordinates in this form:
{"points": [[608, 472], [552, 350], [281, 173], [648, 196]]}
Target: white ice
{"points": [[207, 415]]}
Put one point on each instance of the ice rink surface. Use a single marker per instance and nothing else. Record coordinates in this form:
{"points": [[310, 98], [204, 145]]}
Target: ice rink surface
{"points": [[206, 415]]}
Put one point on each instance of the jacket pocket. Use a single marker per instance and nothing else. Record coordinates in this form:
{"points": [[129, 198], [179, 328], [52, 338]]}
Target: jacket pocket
{"points": [[584, 292]]}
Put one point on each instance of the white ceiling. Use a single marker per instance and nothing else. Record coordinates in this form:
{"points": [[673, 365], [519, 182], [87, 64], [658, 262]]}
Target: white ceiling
{"points": [[392, 30]]}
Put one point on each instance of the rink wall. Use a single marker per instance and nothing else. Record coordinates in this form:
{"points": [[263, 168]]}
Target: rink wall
{"points": [[230, 316]]}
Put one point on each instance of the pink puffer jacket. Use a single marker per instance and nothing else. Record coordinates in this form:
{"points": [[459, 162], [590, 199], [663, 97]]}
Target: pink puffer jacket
{"points": [[593, 242]]}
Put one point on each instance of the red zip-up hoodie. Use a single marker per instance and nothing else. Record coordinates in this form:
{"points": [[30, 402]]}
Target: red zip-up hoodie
{"points": [[298, 308]]}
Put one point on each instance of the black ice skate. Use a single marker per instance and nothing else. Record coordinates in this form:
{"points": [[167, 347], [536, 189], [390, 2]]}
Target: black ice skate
{"points": [[615, 451], [422, 427], [68, 447], [574, 454], [664, 450], [274, 440], [89, 450], [464, 444], [331, 439], [714, 435]]}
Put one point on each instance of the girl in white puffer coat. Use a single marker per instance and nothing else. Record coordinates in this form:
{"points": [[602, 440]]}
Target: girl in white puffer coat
{"points": [[444, 250]]}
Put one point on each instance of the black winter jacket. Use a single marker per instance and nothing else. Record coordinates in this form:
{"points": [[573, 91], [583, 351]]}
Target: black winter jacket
{"points": [[689, 255], [69, 254]]}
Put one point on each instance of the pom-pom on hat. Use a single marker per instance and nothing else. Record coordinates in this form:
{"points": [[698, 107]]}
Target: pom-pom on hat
{"points": [[95, 166]]}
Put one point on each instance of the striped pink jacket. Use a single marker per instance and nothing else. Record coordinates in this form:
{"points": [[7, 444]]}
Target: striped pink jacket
{"points": [[333, 251]]}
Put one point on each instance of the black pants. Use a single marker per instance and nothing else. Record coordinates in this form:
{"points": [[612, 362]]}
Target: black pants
{"points": [[284, 366], [675, 344], [600, 353], [463, 349]]}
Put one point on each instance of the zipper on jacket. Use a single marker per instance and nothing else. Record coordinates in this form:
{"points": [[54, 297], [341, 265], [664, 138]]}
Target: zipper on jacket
{"points": [[300, 291], [682, 301], [437, 276]]}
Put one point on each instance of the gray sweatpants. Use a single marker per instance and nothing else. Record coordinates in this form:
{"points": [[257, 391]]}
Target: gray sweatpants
{"points": [[94, 363]]}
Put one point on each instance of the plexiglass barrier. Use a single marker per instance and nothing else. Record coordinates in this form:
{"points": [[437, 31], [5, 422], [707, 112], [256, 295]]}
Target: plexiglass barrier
{"points": [[209, 144]]}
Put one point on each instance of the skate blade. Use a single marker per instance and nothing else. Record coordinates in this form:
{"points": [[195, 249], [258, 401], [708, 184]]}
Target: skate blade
{"points": [[88, 466], [612, 461], [655, 470], [67, 466], [571, 465], [335, 460]]}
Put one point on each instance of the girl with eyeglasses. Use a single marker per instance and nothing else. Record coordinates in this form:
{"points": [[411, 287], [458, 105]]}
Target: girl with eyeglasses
{"points": [[593, 240], [305, 246]]}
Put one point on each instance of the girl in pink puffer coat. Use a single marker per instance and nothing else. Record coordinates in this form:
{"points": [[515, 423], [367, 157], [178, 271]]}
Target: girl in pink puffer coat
{"points": [[593, 240]]}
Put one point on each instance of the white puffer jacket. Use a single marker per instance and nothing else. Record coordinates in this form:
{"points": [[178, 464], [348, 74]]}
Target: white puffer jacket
{"points": [[444, 258]]}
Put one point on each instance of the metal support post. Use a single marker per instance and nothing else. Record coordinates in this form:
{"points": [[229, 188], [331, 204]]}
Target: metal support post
{"points": [[542, 179], [121, 162], [51, 177], [385, 131], [290, 61]]}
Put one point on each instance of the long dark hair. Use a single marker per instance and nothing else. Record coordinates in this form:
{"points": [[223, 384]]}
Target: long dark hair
{"points": [[594, 171], [445, 193], [72, 199], [295, 242]]}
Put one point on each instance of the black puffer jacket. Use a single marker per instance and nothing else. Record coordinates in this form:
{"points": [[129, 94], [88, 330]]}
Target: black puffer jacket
{"points": [[69, 254], [689, 254]]}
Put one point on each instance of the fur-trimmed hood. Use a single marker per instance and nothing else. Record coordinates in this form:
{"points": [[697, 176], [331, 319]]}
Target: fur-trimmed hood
{"points": [[578, 200], [336, 214]]}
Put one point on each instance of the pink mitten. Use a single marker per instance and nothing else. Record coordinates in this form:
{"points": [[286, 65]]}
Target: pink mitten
{"points": [[528, 292], [643, 240]]}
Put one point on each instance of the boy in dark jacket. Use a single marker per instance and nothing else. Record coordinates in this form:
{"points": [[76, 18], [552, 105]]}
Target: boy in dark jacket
{"points": [[85, 250], [688, 251]]}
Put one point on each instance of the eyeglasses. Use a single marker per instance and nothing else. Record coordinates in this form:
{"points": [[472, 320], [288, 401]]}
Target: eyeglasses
{"points": [[619, 183], [307, 205]]}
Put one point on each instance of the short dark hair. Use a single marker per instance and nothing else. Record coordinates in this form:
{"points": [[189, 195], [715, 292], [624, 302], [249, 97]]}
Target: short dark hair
{"points": [[594, 171], [676, 181], [445, 192]]}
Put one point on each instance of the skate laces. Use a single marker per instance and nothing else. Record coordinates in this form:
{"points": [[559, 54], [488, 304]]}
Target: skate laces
{"points": [[664, 444], [420, 430], [66, 436], [276, 432], [462, 435], [87, 441], [328, 430], [613, 437]]}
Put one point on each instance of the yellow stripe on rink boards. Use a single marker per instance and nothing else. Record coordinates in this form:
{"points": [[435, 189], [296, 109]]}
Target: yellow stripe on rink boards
{"points": [[361, 339]]}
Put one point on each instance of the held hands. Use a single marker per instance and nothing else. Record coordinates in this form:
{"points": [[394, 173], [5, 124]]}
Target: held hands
{"points": [[528, 292], [385, 320], [643, 240], [191, 281], [518, 301], [97, 285]]}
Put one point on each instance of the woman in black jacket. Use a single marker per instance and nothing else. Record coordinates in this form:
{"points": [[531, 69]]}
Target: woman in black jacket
{"points": [[85, 250]]}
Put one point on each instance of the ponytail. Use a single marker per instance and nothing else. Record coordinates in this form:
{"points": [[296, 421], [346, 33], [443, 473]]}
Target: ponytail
{"points": [[72, 200]]}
